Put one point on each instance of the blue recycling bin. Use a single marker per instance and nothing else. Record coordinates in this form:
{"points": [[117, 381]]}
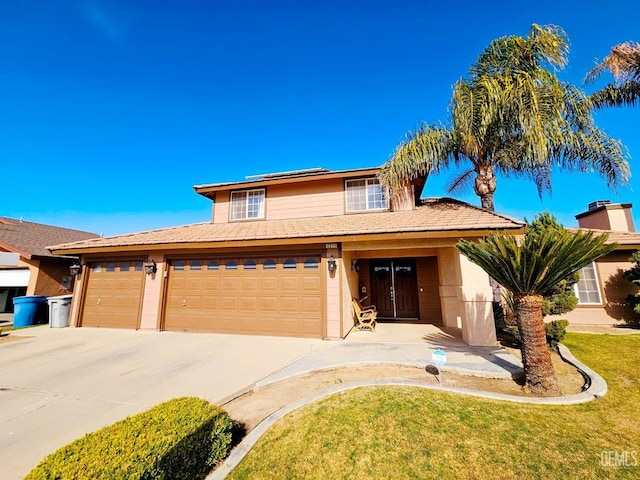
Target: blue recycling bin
{"points": [[29, 310]]}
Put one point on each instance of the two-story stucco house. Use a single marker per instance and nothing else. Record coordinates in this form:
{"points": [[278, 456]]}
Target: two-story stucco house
{"points": [[284, 254]]}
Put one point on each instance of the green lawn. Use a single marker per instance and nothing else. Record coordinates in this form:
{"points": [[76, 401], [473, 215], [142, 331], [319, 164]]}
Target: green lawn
{"points": [[397, 432]]}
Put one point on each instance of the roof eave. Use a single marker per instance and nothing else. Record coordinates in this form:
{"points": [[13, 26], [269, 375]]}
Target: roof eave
{"points": [[217, 187], [293, 240]]}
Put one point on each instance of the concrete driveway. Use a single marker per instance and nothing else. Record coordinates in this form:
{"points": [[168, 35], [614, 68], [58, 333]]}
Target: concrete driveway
{"points": [[62, 383]]}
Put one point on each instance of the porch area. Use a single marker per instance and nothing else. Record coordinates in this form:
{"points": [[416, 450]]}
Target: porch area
{"points": [[409, 332]]}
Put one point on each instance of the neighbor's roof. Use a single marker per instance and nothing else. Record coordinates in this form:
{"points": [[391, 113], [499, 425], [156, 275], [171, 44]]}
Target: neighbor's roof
{"points": [[30, 239], [434, 217], [628, 240]]}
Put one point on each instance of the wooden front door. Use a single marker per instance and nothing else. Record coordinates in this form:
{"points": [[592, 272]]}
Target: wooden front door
{"points": [[394, 288]]}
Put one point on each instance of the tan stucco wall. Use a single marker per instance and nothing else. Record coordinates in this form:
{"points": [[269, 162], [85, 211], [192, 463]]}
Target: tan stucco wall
{"points": [[315, 199], [612, 217], [320, 198], [350, 279], [334, 297], [50, 278], [152, 294], [465, 295], [614, 289], [46, 276]]}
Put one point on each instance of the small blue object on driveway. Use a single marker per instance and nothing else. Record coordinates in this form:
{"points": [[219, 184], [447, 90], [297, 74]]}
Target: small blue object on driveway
{"points": [[439, 358]]}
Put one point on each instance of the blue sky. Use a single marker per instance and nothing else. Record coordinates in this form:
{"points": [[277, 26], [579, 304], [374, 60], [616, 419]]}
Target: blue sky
{"points": [[113, 110]]}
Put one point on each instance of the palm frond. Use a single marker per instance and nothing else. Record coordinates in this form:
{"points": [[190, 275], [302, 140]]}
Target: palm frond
{"points": [[428, 149], [617, 96], [623, 62], [537, 263], [461, 182]]}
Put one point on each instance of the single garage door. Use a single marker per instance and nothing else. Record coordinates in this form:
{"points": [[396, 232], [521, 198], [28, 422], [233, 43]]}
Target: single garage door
{"points": [[113, 295], [261, 296]]}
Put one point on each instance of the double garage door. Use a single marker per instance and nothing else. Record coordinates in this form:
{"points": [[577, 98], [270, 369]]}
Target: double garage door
{"points": [[248, 295]]}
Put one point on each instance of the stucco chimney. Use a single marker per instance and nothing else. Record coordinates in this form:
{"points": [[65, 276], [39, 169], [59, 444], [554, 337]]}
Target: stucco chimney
{"points": [[603, 215]]}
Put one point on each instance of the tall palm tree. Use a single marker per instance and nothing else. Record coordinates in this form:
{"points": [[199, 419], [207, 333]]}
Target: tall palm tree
{"points": [[624, 64], [527, 268], [511, 116]]}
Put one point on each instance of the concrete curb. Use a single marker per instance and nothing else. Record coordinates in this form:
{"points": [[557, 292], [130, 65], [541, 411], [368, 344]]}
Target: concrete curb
{"points": [[596, 388]]}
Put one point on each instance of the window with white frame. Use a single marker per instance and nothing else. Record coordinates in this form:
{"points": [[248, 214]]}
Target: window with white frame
{"points": [[366, 194], [587, 289], [247, 204]]}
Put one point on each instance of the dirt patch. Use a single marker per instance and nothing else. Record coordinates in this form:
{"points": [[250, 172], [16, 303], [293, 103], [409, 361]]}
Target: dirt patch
{"points": [[251, 408], [7, 338]]}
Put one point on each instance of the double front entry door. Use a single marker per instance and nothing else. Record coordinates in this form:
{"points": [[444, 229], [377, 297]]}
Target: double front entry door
{"points": [[394, 288]]}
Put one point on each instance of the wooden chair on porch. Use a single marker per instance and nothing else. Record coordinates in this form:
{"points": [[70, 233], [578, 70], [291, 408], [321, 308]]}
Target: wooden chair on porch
{"points": [[365, 317]]}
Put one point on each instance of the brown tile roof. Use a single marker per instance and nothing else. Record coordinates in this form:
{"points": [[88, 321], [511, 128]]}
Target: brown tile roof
{"points": [[625, 239], [30, 239], [435, 215]]}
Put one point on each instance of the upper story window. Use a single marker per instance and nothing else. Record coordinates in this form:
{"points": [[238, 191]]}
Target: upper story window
{"points": [[365, 194], [247, 204], [587, 289]]}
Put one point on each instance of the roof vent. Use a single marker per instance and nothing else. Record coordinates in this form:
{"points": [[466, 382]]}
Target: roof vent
{"points": [[598, 204]]}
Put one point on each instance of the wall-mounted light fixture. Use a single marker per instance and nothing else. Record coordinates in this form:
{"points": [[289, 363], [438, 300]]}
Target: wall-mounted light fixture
{"points": [[75, 269], [331, 264], [150, 267], [355, 265]]}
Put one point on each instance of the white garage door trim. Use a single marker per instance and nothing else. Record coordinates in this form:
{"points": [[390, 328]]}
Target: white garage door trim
{"points": [[15, 277]]}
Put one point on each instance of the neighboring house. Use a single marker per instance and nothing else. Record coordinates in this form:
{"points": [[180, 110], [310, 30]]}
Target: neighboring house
{"points": [[35, 270], [602, 290], [284, 254]]}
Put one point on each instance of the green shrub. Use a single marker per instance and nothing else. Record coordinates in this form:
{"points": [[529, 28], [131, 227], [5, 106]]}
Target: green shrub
{"points": [[555, 331], [182, 438]]}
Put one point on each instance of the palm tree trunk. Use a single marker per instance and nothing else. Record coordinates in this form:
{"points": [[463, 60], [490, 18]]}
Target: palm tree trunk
{"points": [[485, 185], [539, 374]]}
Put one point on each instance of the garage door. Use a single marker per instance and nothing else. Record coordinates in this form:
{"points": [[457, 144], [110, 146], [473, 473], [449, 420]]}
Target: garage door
{"points": [[113, 295], [264, 296], [14, 277]]}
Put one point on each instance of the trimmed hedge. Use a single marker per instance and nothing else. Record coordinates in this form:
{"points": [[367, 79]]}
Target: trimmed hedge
{"points": [[182, 438], [554, 330]]}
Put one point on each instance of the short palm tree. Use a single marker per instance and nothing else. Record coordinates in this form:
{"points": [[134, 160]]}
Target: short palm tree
{"points": [[512, 116], [527, 267], [624, 64]]}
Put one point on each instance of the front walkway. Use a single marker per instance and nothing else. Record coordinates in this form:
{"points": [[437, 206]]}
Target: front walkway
{"points": [[404, 344]]}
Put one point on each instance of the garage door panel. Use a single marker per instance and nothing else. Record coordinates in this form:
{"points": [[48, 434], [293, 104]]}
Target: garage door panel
{"points": [[268, 304], [266, 296], [230, 284], [268, 283], [289, 304], [289, 283]]}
